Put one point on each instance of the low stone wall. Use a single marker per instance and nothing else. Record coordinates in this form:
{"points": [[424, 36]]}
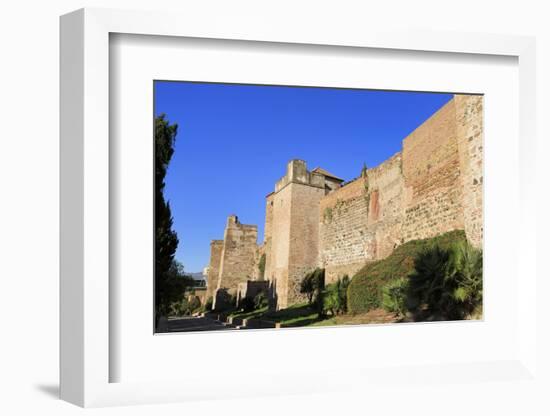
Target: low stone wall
{"points": [[199, 292]]}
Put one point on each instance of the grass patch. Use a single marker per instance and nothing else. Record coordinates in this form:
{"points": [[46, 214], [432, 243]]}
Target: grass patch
{"points": [[300, 314], [376, 316]]}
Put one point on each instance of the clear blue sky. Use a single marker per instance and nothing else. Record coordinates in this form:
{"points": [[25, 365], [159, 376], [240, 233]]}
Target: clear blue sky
{"points": [[234, 142]]}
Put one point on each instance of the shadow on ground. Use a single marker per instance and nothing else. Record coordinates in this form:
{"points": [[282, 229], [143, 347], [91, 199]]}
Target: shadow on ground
{"points": [[190, 323], [51, 390]]}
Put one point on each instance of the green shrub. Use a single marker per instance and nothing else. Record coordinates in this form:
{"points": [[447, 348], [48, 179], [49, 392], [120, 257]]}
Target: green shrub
{"points": [[208, 303], [468, 269], [365, 289], [335, 297], [394, 296], [447, 283], [247, 304], [225, 301], [179, 308], [313, 284], [427, 285], [260, 301], [193, 305], [307, 287], [319, 284], [331, 300]]}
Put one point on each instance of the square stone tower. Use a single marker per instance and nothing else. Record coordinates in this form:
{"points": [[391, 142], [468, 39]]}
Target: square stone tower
{"points": [[238, 254], [292, 229]]}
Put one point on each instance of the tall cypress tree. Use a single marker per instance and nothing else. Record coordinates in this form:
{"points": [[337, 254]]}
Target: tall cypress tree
{"points": [[168, 286]]}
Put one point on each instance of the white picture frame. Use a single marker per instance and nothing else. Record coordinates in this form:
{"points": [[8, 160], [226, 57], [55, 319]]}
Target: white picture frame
{"points": [[85, 211]]}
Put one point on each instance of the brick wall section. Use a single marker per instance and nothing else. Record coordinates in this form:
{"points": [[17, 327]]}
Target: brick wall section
{"points": [[238, 257], [362, 220], [343, 235], [431, 169], [386, 206], [216, 247], [469, 117], [432, 186], [304, 239]]}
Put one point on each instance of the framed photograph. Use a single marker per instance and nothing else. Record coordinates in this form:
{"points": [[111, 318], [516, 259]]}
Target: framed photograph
{"points": [[272, 200], [398, 242]]}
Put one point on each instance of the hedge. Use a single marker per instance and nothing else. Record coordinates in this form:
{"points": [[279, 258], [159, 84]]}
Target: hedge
{"points": [[365, 290]]}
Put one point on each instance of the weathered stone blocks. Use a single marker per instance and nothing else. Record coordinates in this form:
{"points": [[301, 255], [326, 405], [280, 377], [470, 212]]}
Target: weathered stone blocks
{"points": [[432, 186], [216, 247]]}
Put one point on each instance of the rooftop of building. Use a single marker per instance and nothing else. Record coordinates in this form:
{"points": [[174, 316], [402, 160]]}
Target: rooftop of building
{"points": [[326, 173]]}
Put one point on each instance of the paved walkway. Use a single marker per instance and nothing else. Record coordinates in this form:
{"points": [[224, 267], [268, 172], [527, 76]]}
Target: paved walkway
{"points": [[191, 323]]}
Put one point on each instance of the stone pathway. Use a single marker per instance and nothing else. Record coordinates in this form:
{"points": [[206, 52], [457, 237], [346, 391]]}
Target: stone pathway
{"points": [[192, 323]]}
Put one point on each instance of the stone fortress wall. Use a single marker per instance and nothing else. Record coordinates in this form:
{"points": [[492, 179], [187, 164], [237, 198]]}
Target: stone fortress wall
{"points": [[432, 186], [360, 221], [313, 219], [469, 133], [237, 258]]}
